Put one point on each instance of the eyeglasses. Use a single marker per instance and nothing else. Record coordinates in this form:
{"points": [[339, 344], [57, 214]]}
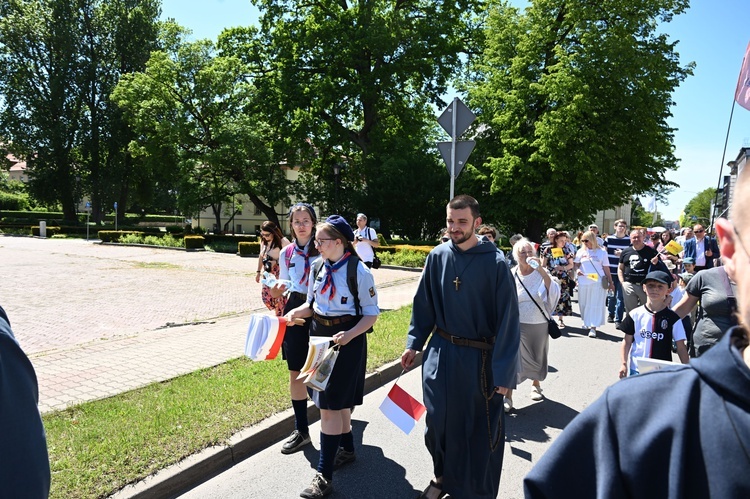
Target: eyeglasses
{"points": [[699, 231], [302, 223], [319, 242], [265, 234], [585, 240]]}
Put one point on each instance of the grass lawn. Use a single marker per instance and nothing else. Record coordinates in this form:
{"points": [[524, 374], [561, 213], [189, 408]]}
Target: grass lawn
{"points": [[98, 447]]}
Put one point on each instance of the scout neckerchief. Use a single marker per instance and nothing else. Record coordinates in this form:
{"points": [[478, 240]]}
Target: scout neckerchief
{"points": [[303, 254], [330, 269]]}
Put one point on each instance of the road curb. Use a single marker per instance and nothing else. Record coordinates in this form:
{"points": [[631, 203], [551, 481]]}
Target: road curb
{"points": [[211, 461]]}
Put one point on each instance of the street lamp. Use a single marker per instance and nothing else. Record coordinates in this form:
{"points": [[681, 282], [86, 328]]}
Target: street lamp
{"points": [[337, 179]]}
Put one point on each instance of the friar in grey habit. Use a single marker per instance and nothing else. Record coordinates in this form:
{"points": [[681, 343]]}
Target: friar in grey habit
{"points": [[467, 301]]}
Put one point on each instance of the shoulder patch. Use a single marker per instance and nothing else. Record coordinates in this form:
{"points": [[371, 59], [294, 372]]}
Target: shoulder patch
{"points": [[372, 292]]}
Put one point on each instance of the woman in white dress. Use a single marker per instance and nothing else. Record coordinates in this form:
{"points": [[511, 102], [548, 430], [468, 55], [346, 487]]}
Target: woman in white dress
{"points": [[531, 275], [592, 269]]}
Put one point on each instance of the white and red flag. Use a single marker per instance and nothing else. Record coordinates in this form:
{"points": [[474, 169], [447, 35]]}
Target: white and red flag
{"points": [[402, 409], [742, 94]]}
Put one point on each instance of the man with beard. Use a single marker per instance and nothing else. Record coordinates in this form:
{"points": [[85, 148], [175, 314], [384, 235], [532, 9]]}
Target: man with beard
{"points": [[467, 299]]}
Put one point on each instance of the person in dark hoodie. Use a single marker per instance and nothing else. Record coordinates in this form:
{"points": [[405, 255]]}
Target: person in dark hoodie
{"points": [[466, 301], [24, 462], [678, 432]]}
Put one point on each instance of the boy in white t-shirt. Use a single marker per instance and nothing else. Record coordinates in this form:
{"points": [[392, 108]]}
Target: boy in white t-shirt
{"points": [[650, 328]]}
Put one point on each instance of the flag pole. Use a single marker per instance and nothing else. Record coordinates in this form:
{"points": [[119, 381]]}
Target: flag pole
{"points": [[721, 168], [726, 139]]}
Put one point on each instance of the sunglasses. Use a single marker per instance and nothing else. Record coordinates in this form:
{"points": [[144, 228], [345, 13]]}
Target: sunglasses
{"points": [[585, 240], [699, 231]]}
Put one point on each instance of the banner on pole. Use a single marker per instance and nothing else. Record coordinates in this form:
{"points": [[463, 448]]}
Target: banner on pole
{"points": [[742, 94]]}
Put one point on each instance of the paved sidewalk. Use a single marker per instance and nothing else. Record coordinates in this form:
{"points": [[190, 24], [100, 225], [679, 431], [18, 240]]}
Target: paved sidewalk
{"points": [[99, 320]]}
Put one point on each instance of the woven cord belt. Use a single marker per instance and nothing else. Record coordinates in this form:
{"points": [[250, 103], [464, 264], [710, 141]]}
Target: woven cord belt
{"points": [[487, 344], [484, 346]]}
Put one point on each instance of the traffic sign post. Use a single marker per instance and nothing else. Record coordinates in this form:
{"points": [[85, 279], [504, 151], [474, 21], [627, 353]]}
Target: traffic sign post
{"points": [[88, 215], [455, 120]]}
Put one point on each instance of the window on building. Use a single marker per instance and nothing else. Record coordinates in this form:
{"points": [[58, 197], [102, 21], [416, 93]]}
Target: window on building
{"points": [[239, 229], [257, 211]]}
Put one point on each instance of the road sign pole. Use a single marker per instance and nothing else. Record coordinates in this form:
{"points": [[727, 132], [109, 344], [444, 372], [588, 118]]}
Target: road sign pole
{"points": [[453, 148]]}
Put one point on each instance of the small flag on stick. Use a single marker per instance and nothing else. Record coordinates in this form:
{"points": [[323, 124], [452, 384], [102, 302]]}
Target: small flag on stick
{"points": [[742, 94], [402, 409]]}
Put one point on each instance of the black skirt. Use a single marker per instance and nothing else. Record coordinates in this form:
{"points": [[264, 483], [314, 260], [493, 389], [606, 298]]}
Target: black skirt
{"points": [[296, 338], [346, 385]]}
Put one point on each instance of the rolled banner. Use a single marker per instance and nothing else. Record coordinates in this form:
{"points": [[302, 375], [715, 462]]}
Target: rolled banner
{"points": [[265, 333]]}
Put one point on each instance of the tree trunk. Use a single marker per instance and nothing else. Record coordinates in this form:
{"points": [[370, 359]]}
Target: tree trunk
{"points": [[534, 229]]}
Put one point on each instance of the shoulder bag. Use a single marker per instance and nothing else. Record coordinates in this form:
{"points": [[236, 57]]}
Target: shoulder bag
{"points": [[552, 328]]}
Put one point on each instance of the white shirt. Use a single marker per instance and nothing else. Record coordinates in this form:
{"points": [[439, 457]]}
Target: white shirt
{"points": [[364, 250], [592, 261]]}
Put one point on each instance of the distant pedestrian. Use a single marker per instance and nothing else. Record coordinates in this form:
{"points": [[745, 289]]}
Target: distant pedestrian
{"points": [[702, 248], [635, 262], [551, 233], [272, 240], [538, 294], [334, 309], [614, 245], [365, 240], [592, 271], [558, 259], [466, 305], [24, 461], [595, 229]]}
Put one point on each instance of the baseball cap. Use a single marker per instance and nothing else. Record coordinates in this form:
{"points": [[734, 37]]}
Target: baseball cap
{"points": [[689, 260], [658, 276]]}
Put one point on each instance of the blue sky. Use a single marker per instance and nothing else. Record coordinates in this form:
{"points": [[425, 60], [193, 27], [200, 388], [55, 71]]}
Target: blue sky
{"points": [[711, 34]]}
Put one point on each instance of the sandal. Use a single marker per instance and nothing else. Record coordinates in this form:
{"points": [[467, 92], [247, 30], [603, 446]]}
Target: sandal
{"points": [[432, 485]]}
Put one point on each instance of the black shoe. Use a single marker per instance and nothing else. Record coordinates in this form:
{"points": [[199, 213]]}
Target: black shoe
{"points": [[611, 319], [295, 442], [343, 457], [618, 325], [320, 487]]}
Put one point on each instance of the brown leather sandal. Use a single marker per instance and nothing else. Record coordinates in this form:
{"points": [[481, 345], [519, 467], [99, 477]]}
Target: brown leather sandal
{"points": [[433, 485]]}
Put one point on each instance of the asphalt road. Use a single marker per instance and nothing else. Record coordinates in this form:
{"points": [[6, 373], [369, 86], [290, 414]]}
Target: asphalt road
{"points": [[391, 464]]}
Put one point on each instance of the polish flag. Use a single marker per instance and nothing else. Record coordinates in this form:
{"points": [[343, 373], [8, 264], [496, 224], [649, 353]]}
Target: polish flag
{"points": [[742, 94], [402, 409], [265, 334]]}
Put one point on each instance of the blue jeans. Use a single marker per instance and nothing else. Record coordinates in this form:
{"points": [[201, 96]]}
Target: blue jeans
{"points": [[616, 306]]}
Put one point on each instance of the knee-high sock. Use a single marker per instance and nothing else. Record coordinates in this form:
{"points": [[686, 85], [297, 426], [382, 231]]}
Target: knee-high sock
{"points": [[300, 415], [329, 445], [347, 441]]}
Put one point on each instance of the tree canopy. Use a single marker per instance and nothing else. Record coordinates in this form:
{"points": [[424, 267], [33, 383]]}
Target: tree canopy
{"points": [[698, 209], [573, 100]]}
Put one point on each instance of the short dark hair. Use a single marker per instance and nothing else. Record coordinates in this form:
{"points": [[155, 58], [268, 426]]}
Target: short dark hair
{"points": [[465, 201]]}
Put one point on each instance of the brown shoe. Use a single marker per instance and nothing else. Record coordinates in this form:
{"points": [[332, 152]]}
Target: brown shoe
{"points": [[319, 487]]}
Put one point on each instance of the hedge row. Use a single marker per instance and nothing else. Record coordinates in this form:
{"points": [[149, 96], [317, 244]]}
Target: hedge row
{"points": [[248, 249]]}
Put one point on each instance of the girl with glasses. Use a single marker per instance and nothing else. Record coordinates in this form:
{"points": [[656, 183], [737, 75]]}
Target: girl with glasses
{"points": [[334, 309]]}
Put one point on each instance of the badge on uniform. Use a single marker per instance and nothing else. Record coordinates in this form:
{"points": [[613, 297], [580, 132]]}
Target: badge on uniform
{"points": [[372, 292], [292, 265], [344, 299]]}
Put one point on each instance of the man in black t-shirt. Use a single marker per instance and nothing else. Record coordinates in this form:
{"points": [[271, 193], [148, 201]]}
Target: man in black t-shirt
{"points": [[635, 263]]}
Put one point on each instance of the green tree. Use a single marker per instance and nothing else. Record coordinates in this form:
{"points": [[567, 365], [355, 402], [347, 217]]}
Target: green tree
{"points": [[334, 74], [698, 209], [41, 110], [192, 105], [119, 36], [573, 100]]}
